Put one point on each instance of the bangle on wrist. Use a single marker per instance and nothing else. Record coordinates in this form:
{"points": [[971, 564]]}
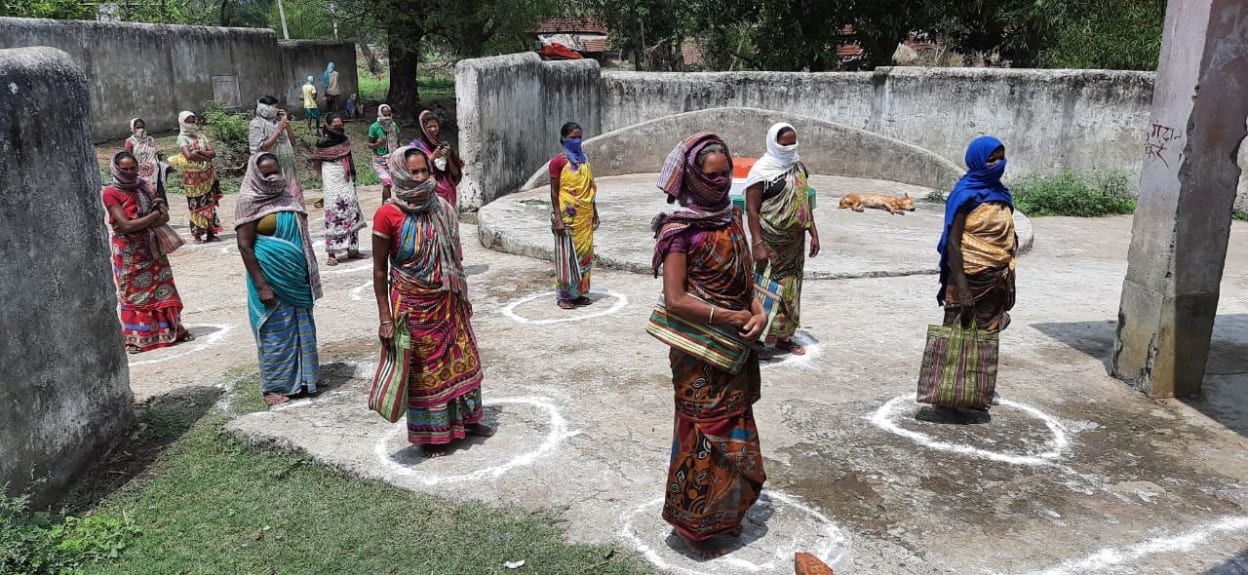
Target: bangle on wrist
{"points": [[711, 320], [391, 322]]}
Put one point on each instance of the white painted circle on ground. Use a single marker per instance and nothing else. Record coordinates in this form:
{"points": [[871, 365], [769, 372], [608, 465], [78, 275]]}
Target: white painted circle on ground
{"points": [[357, 293], [798, 361], [573, 315], [365, 265], [885, 417], [1108, 558], [557, 431], [775, 529], [200, 344]]}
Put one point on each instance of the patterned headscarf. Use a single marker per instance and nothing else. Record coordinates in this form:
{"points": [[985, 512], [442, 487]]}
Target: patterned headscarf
{"points": [[187, 133], [123, 179], [387, 126], [703, 197], [261, 195], [419, 199], [145, 151], [269, 113], [428, 143]]}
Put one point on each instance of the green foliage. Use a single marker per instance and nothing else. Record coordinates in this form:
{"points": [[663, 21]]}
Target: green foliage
{"points": [[373, 88], [1240, 216], [936, 196], [38, 543], [651, 30], [58, 9], [1074, 194], [227, 131]]}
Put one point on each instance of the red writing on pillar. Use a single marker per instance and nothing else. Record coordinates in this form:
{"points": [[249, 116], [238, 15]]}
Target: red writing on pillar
{"points": [[1158, 144]]}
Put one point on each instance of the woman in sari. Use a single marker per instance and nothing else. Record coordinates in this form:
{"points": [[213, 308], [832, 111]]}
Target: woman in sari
{"points": [[343, 220], [574, 218], [147, 299], [199, 180], [270, 131], [447, 167], [383, 136], [716, 470], [417, 270], [282, 280], [147, 154], [978, 249], [777, 201]]}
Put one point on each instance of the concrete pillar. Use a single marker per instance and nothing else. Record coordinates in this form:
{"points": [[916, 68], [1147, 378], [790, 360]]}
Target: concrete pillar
{"points": [[1187, 188]]}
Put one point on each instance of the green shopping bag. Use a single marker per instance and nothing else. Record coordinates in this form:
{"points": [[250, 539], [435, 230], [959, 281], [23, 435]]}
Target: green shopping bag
{"points": [[388, 394], [959, 366]]}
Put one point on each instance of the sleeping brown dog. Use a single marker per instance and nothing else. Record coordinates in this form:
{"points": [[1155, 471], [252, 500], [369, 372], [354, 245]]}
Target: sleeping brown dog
{"points": [[859, 202]]}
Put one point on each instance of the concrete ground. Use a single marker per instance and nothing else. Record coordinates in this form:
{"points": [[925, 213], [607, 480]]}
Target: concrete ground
{"points": [[1076, 473]]}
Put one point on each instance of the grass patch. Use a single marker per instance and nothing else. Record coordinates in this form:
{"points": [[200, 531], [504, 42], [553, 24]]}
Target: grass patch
{"points": [[936, 196], [1075, 194], [209, 504], [376, 88], [1239, 216]]}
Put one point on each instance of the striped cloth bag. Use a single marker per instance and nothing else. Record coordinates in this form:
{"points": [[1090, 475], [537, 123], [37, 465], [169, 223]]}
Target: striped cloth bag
{"points": [[567, 263], [388, 395], [959, 367], [718, 346], [768, 293]]}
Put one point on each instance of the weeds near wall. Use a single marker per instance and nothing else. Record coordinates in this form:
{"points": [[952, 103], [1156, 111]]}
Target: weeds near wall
{"points": [[1075, 194], [39, 543], [227, 131]]}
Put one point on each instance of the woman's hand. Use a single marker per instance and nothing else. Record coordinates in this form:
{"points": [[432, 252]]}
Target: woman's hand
{"points": [[737, 319], [386, 332], [761, 255], [557, 226], [597, 222], [814, 242], [266, 296], [753, 328]]}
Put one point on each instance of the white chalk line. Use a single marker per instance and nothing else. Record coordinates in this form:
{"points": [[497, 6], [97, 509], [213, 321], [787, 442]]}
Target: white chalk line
{"points": [[799, 361], [883, 418], [557, 433], [510, 310], [1184, 542], [200, 344], [357, 294], [832, 538]]}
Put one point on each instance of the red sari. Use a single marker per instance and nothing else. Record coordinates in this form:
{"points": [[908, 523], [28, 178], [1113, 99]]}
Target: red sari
{"points": [[148, 302]]}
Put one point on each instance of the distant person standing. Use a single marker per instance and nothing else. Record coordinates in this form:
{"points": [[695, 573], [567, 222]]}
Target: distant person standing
{"points": [[383, 136], [447, 167], [574, 218], [332, 91], [199, 179], [147, 154], [311, 112], [270, 131], [343, 219], [353, 107]]}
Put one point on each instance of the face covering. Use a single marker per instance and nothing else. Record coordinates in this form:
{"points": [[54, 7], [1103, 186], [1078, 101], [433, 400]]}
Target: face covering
{"points": [[572, 148], [440, 163], [139, 133]]}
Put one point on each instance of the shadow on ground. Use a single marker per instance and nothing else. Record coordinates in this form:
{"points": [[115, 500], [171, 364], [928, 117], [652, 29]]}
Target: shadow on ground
{"points": [[162, 421], [1224, 393], [1237, 565]]}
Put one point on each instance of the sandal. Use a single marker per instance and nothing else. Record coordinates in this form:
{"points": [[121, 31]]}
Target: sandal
{"points": [[582, 301], [567, 305], [787, 345], [275, 399], [332, 261]]}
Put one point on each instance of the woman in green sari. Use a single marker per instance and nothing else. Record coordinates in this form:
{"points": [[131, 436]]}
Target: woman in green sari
{"points": [[282, 280], [777, 201]]}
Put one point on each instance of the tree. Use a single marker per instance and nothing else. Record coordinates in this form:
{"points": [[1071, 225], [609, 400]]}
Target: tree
{"points": [[58, 9], [651, 30]]}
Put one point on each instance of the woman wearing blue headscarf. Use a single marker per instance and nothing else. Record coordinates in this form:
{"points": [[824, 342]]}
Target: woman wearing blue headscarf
{"points": [[978, 248]]}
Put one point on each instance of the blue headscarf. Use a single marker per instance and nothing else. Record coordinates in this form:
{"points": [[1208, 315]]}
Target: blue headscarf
{"points": [[981, 184], [325, 76]]}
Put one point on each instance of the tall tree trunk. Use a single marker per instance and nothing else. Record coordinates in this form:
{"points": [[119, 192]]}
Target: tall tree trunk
{"points": [[371, 57], [404, 97]]}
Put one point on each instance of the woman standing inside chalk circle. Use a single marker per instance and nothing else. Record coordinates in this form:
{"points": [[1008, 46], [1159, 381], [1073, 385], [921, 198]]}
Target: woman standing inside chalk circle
{"points": [[574, 217], [417, 269], [716, 471], [282, 280], [147, 299], [383, 136], [343, 219], [447, 167], [199, 179], [777, 201]]}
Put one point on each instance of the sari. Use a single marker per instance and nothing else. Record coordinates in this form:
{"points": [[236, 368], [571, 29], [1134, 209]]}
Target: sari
{"points": [[785, 217], [716, 471], [146, 153], [577, 193], [147, 299], [199, 182], [343, 218], [989, 243], [427, 282], [386, 130], [447, 177], [261, 128], [286, 332]]}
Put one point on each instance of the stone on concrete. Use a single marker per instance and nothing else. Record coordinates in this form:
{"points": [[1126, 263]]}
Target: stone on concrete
{"points": [[1187, 192], [827, 149], [855, 245], [64, 395]]}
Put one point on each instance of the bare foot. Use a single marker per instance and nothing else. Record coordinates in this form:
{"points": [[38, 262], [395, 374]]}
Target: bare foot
{"points": [[434, 451], [479, 430], [275, 399], [332, 261], [790, 346], [567, 305], [583, 301]]}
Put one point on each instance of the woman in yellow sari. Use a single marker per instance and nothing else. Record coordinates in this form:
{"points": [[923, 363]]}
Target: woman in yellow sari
{"points": [[199, 180], [574, 218]]}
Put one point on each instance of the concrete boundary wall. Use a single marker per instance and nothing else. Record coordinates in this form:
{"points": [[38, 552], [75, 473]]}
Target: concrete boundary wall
{"points": [[154, 71], [65, 395], [510, 109], [827, 149]]}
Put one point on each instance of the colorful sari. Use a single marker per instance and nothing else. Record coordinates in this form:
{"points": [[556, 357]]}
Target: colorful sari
{"points": [[785, 218], [427, 282], [448, 176], [716, 471], [199, 182], [577, 193], [261, 128], [147, 299], [343, 219], [286, 332]]}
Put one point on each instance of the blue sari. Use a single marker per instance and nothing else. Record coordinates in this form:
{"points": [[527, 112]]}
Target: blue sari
{"points": [[285, 333]]}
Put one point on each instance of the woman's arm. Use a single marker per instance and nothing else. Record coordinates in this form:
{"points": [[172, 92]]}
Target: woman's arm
{"points": [[957, 275], [678, 301], [381, 287], [130, 226], [753, 209], [246, 247], [557, 213]]}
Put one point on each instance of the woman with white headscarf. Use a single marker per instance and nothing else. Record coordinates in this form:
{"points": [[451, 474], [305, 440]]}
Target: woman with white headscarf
{"points": [[777, 202], [199, 180], [270, 131]]}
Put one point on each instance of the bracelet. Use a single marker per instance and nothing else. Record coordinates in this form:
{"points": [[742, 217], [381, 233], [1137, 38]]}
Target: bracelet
{"points": [[387, 322], [757, 243], [711, 320]]}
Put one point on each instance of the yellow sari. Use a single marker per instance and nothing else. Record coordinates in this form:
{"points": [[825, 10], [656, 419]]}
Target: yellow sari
{"points": [[576, 202]]}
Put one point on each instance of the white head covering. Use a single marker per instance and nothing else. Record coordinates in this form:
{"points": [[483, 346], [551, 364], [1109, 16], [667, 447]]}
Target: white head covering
{"points": [[778, 160]]}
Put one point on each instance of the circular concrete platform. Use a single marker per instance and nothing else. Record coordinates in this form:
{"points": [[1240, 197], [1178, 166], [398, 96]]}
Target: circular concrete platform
{"points": [[855, 245]]}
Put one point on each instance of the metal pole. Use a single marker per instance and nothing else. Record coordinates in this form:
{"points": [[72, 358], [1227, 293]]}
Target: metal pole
{"points": [[281, 11]]}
